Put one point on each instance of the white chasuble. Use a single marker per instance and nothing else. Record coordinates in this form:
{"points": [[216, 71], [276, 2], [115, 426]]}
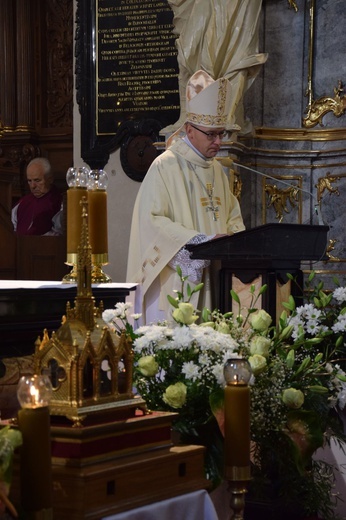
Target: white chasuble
{"points": [[172, 206]]}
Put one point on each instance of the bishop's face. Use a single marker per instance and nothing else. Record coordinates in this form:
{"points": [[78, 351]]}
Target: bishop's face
{"points": [[206, 140], [39, 184]]}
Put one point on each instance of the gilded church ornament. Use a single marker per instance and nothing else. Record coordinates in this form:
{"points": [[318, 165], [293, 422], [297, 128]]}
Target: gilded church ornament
{"points": [[330, 249], [318, 108], [75, 355], [325, 183], [293, 4], [279, 199]]}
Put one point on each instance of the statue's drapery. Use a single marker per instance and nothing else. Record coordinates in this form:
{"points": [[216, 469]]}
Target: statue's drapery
{"points": [[220, 37]]}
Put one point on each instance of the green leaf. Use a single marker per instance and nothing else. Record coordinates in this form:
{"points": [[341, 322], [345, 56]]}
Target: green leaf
{"points": [[339, 342], [304, 364], [320, 286], [336, 281], [290, 305], [173, 301], [205, 315], [235, 296], [216, 399], [197, 288], [263, 289], [179, 271], [318, 389], [311, 276], [286, 333], [290, 359]]}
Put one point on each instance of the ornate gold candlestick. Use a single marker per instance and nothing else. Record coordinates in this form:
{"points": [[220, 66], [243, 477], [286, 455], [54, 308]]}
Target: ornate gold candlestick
{"points": [[237, 373], [98, 228], [77, 179]]}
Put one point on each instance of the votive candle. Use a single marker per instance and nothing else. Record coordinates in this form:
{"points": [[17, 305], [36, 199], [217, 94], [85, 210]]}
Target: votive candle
{"points": [[74, 218], [98, 230], [35, 459], [237, 373], [237, 425]]}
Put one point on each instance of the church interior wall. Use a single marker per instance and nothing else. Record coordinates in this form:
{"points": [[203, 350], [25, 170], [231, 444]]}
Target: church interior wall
{"points": [[276, 100]]}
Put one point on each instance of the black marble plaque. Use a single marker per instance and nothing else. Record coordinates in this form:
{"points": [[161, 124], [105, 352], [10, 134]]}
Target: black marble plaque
{"points": [[137, 63], [126, 70]]}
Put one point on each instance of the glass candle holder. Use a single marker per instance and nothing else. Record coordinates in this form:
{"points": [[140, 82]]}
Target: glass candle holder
{"points": [[34, 391]]}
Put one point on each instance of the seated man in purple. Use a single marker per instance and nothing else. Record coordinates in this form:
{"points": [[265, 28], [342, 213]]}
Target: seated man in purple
{"points": [[39, 212]]}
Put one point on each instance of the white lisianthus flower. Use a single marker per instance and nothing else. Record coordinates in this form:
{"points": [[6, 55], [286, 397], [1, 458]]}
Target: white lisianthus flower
{"points": [[258, 363], [108, 315], [148, 366], [261, 320], [260, 345], [190, 370], [175, 395], [121, 309], [203, 359], [185, 314], [293, 398], [182, 337], [340, 324], [218, 373], [340, 294]]}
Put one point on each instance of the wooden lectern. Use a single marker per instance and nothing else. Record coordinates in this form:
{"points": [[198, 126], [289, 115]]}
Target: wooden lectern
{"points": [[264, 255]]}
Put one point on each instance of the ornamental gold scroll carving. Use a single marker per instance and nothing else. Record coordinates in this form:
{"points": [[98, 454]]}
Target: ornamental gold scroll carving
{"points": [[280, 198], [318, 108], [325, 183]]}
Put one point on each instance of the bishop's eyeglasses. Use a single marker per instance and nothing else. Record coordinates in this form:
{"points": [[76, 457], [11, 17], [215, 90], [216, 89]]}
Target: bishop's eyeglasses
{"points": [[211, 136]]}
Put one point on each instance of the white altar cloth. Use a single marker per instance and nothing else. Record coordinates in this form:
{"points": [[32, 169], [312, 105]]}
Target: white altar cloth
{"points": [[34, 284], [192, 506]]}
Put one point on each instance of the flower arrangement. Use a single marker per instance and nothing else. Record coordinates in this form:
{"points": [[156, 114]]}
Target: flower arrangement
{"points": [[10, 439], [298, 386]]}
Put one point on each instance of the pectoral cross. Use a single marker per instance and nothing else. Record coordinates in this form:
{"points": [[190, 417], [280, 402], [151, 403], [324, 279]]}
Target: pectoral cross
{"points": [[211, 206]]}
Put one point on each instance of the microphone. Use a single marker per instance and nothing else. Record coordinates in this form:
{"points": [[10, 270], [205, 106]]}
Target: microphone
{"points": [[317, 205]]}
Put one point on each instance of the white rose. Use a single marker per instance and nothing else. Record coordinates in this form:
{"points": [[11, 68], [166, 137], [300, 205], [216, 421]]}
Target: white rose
{"points": [[258, 364], [260, 345], [261, 320], [175, 395], [148, 366], [185, 314], [293, 398]]}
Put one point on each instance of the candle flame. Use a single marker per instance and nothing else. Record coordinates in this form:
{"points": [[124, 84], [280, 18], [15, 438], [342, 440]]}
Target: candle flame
{"points": [[34, 395]]}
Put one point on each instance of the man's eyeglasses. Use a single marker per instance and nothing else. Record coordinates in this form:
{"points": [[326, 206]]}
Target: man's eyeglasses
{"points": [[211, 136]]}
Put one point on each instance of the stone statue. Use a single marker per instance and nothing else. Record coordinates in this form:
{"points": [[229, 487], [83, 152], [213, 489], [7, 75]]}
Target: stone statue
{"points": [[221, 38]]}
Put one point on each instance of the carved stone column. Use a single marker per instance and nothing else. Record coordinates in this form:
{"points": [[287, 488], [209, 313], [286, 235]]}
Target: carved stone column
{"points": [[7, 60]]}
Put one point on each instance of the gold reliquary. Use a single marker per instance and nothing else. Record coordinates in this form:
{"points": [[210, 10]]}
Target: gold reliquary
{"points": [[90, 366]]}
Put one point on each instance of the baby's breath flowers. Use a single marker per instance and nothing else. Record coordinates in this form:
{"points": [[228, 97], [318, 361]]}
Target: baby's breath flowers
{"points": [[298, 383]]}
